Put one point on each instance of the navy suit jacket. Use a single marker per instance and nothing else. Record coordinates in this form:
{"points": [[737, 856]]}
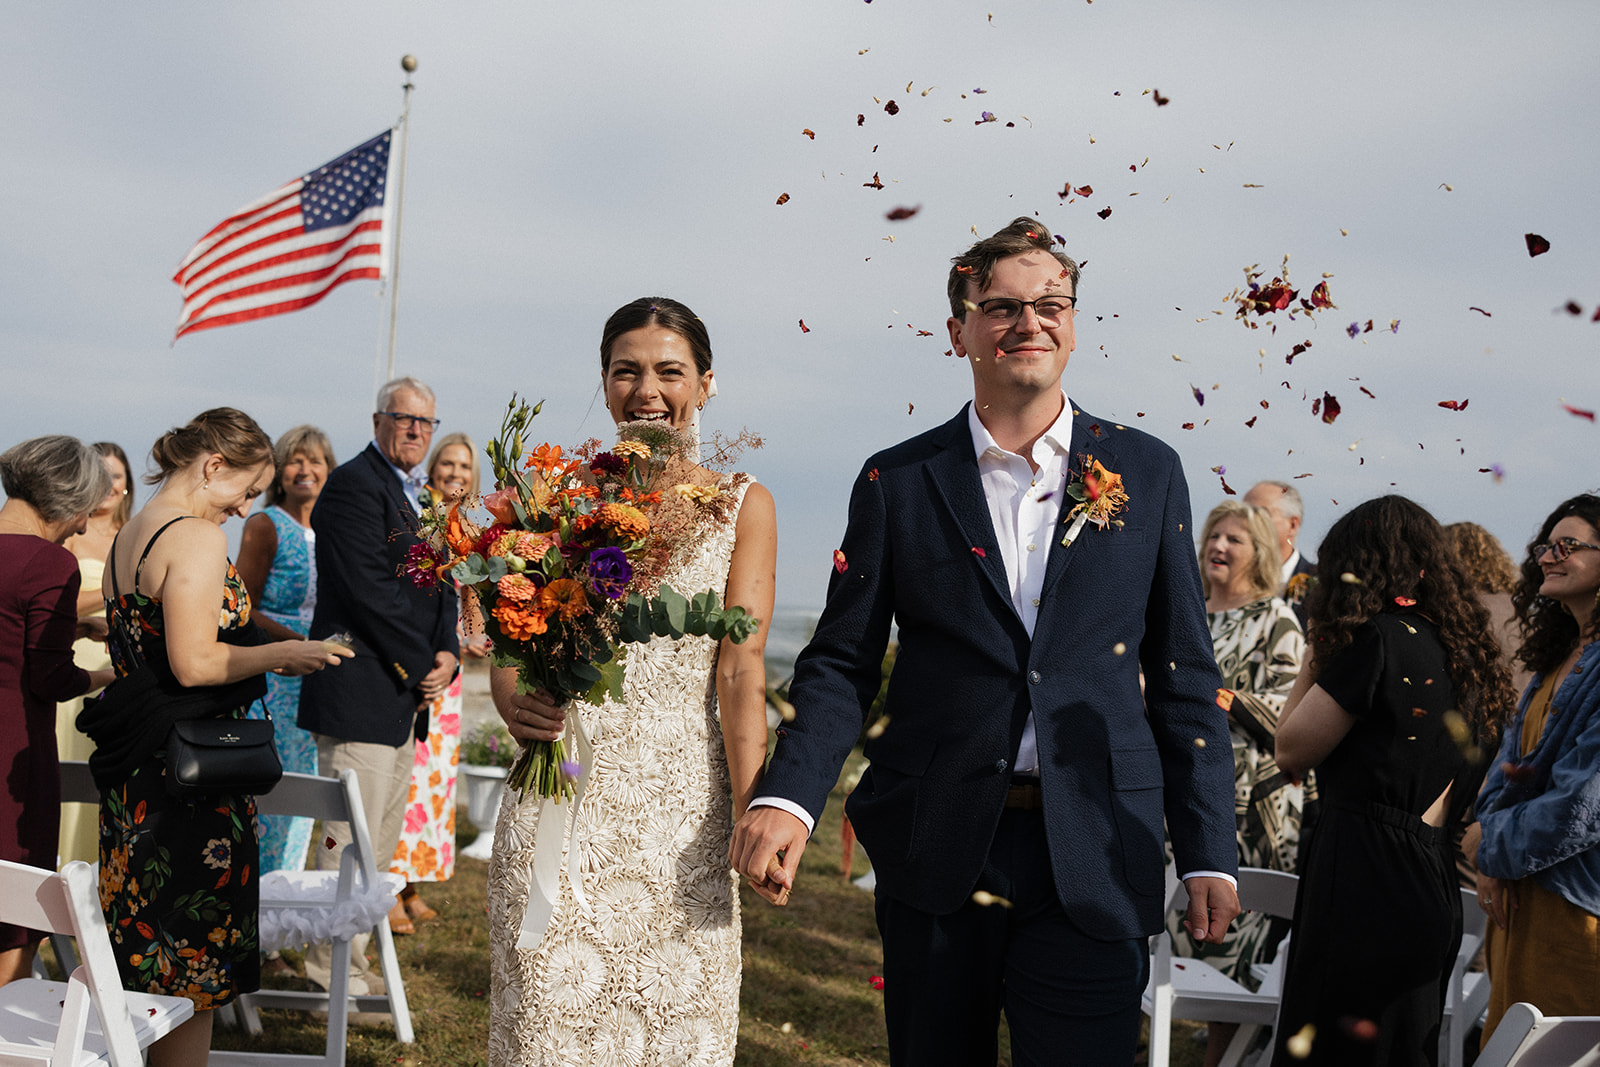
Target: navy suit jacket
{"points": [[967, 675], [365, 526]]}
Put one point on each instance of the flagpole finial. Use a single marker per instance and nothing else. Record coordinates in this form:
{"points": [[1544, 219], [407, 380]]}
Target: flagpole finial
{"points": [[408, 63]]}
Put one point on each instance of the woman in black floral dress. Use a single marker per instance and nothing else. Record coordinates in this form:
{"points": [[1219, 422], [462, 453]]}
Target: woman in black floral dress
{"points": [[178, 878]]}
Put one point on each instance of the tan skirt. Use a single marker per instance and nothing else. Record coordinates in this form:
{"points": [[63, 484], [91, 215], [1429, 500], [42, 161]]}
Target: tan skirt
{"points": [[1548, 956]]}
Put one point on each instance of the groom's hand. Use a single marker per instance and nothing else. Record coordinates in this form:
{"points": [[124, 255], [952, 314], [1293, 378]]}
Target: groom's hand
{"points": [[766, 848], [1213, 904]]}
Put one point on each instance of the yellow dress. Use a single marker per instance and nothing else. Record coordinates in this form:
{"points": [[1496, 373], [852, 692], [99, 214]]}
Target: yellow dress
{"points": [[80, 823]]}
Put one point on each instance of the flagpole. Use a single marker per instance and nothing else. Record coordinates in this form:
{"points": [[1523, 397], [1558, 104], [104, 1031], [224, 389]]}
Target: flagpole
{"points": [[408, 63]]}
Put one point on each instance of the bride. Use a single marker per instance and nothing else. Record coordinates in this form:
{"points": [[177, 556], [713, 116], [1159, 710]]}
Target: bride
{"points": [[639, 962]]}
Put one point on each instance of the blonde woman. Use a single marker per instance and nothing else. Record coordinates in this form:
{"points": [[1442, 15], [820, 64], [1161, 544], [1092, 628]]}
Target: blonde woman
{"points": [[1259, 647], [427, 848]]}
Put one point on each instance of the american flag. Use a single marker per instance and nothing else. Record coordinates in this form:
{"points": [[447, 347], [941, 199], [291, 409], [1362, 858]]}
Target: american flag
{"points": [[289, 249]]}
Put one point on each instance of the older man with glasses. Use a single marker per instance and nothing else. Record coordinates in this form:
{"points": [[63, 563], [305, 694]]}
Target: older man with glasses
{"points": [[404, 637]]}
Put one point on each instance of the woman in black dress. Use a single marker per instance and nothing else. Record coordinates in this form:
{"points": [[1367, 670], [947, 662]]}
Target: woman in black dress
{"points": [[178, 878], [1398, 713]]}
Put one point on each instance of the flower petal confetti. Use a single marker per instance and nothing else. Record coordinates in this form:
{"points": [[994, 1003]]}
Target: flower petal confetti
{"points": [[1537, 246], [783, 198], [977, 550], [803, 327], [1480, 311], [810, 133], [1454, 405], [892, 108], [839, 563], [1104, 212], [1580, 412], [899, 214], [875, 183], [1330, 407]]}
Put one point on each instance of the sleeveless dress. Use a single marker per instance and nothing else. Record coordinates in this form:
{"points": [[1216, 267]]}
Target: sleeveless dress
{"points": [[1377, 920], [288, 597], [648, 973], [177, 879], [80, 823]]}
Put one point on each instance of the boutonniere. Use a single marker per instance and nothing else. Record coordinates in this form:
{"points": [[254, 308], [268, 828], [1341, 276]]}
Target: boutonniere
{"points": [[1298, 587], [428, 496], [1099, 495]]}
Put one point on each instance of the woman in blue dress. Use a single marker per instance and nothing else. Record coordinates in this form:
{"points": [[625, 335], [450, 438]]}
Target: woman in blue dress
{"points": [[278, 562]]}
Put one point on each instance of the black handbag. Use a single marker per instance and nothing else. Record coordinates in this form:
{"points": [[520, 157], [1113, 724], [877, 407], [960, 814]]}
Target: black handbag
{"points": [[208, 757]]}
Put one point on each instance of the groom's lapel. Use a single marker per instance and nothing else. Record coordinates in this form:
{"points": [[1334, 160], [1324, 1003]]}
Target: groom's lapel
{"points": [[1089, 438], [955, 481]]}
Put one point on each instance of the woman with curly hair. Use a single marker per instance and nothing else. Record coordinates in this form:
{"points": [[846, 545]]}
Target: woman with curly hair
{"points": [[1397, 711], [1539, 863]]}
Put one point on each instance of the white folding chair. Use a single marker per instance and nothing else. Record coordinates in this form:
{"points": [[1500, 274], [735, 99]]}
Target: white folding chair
{"points": [[1466, 992], [298, 906], [1184, 988], [44, 1022], [1526, 1037]]}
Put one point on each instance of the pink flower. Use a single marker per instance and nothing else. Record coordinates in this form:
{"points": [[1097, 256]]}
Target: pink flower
{"points": [[501, 504], [416, 818]]}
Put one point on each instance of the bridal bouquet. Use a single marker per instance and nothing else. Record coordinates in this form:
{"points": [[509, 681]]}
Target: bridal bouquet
{"points": [[568, 561]]}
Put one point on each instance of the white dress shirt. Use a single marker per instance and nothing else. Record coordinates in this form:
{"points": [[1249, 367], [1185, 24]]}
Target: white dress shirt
{"points": [[1290, 564], [412, 481]]}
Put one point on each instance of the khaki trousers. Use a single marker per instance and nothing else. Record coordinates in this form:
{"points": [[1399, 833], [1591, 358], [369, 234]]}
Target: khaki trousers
{"points": [[384, 774]]}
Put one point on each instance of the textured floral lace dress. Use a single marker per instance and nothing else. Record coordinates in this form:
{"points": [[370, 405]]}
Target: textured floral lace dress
{"points": [[646, 971]]}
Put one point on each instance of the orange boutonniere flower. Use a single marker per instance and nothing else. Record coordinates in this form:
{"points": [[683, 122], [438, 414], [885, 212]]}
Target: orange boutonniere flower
{"points": [[1298, 587], [1099, 496]]}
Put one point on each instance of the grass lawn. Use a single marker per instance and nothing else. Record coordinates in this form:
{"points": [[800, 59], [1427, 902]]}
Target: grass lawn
{"points": [[806, 996]]}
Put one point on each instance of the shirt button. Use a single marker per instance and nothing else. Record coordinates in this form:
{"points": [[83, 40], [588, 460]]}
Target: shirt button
{"points": [[1032, 547], [1000, 766], [1035, 677], [1035, 601]]}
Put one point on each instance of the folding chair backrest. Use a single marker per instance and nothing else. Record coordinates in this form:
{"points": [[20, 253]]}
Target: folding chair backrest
{"points": [[1528, 1038], [326, 799], [1262, 890], [69, 903]]}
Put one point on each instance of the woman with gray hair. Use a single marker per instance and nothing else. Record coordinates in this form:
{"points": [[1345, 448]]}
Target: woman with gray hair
{"points": [[52, 484], [1259, 647]]}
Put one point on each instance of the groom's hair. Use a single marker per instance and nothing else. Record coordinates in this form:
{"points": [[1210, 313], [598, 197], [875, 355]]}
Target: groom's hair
{"points": [[976, 264]]}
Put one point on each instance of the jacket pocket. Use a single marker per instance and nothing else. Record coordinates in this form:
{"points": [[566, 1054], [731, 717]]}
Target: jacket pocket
{"points": [[883, 806], [1136, 802]]}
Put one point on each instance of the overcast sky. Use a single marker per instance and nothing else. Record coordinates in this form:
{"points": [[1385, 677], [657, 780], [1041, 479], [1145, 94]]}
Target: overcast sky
{"points": [[566, 158]]}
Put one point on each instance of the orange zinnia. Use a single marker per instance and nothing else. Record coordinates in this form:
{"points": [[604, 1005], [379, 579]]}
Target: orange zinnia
{"points": [[459, 533], [622, 520], [519, 621], [563, 595]]}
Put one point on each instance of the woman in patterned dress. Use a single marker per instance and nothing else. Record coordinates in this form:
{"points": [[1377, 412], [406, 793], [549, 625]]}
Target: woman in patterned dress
{"points": [[427, 848], [278, 562], [639, 963], [178, 878], [1259, 646]]}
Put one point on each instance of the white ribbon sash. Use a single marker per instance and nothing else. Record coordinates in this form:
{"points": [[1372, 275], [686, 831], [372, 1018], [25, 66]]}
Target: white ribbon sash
{"points": [[544, 888]]}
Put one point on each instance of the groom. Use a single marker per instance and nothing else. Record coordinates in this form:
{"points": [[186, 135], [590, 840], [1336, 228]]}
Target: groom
{"points": [[1013, 810]]}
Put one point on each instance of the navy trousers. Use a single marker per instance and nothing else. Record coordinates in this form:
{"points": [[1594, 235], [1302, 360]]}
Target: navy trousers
{"points": [[1067, 996]]}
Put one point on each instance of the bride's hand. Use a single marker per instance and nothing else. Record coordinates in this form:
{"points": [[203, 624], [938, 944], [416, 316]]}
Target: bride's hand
{"points": [[533, 717]]}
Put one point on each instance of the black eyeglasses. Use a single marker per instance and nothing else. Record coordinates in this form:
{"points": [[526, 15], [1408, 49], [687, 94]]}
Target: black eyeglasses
{"points": [[1560, 548], [405, 422], [1049, 309]]}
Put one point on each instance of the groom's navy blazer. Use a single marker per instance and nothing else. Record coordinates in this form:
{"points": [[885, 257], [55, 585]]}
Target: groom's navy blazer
{"points": [[920, 550]]}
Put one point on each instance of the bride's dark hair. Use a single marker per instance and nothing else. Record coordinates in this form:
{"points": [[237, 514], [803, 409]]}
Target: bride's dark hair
{"points": [[657, 311], [1388, 553]]}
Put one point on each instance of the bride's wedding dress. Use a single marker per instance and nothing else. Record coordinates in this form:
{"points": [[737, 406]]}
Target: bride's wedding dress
{"points": [[641, 964]]}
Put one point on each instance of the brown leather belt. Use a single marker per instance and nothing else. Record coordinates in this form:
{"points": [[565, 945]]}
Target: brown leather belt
{"points": [[1026, 796]]}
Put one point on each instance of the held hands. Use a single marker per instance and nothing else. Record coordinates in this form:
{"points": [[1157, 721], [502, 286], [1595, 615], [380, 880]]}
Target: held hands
{"points": [[434, 682], [1213, 904], [534, 717], [94, 628], [304, 657], [766, 848]]}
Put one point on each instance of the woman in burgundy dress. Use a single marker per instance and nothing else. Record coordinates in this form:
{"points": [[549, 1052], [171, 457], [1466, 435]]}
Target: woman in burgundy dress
{"points": [[52, 484]]}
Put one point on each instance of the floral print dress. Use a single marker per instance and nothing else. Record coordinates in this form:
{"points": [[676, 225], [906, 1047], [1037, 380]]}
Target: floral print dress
{"points": [[177, 879]]}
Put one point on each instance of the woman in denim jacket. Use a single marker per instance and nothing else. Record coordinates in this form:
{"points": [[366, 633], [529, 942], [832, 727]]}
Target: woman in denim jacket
{"points": [[1539, 861]]}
